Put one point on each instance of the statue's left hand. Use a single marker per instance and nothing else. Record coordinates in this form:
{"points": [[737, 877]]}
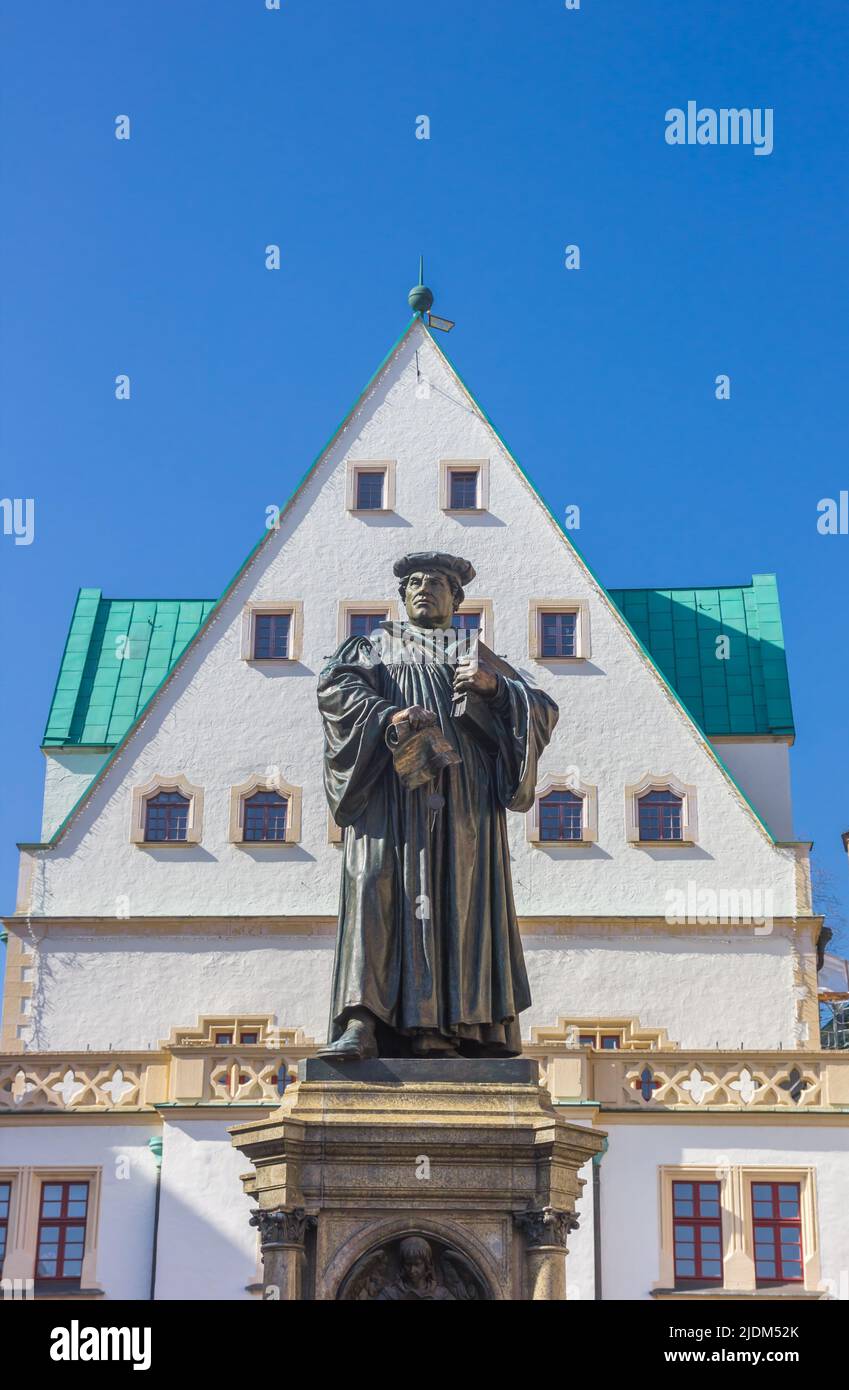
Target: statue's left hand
{"points": [[467, 678]]}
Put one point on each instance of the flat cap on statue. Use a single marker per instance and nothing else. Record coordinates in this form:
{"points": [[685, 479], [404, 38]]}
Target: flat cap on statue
{"points": [[461, 570]]}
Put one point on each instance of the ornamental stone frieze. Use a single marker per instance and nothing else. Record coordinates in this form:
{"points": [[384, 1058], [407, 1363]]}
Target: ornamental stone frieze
{"points": [[646, 1078]]}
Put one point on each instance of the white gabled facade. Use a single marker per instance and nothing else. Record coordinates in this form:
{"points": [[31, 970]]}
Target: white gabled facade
{"points": [[119, 946]]}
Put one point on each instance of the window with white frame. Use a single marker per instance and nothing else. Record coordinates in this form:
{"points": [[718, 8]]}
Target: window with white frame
{"points": [[362, 617], [48, 1228], [565, 812], [167, 812], [742, 1229], [559, 629], [265, 811], [272, 631], [371, 485], [661, 810], [464, 485]]}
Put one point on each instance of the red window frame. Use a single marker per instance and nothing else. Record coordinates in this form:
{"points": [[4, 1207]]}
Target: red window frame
{"points": [[365, 622], [223, 1039], [780, 1233], [272, 635], [5, 1204], [266, 818], [664, 815], [63, 1224], [566, 804], [701, 1222], [171, 814], [249, 1039], [558, 634], [467, 622]]}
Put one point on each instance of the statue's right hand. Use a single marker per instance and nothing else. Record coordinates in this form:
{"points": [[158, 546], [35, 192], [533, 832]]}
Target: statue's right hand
{"points": [[417, 715]]}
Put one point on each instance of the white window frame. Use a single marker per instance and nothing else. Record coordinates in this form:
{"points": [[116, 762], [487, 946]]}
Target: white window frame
{"points": [[654, 782], [580, 607], [295, 610], [164, 783], [238, 796], [349, 606], [484, 607], [357, 466], [449, 466], [566, 782]]}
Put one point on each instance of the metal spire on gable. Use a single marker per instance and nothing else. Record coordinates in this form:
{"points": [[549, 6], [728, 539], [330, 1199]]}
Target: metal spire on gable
{"points": [[420, 300]]}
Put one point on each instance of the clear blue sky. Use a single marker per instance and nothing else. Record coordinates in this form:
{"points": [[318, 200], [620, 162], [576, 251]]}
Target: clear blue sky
{"points": [[547, 127]]}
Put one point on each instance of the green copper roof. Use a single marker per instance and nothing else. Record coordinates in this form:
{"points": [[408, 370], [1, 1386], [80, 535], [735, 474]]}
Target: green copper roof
{"points": [[119, 651], [749, 693]]}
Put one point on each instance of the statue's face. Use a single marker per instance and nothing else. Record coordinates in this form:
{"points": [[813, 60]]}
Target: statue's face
{"points": [[429, 599], [415, 1268]]}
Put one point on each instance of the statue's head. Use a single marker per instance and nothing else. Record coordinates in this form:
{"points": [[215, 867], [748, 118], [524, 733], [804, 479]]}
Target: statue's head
{"points": [[432, 586], [416, 1260]]}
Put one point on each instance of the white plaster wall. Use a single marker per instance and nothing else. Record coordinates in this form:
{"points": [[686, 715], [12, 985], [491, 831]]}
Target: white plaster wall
{"points": [[630, 1217], [706, 991], [129, 990], [221, 719], [207, 1249], [763, 771], [66, 776], [125, 1233]]}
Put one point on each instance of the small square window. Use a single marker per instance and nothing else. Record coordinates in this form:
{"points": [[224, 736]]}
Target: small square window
{"points": [[223, 1039], [371, 487], [249, 1039], [364, 624], [558, 634], [463, 490], [271, 636]]}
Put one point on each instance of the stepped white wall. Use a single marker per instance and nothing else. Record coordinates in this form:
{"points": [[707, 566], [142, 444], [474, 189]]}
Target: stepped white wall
{"points": [[221, 719]]}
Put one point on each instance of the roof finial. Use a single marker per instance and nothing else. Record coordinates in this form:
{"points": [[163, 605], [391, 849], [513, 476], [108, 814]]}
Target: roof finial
{"points": [[420, 297]]}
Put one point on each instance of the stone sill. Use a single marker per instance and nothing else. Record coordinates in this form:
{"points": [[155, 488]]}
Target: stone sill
{"points": [[45, 1296], [782, 1292], [663, 844]]}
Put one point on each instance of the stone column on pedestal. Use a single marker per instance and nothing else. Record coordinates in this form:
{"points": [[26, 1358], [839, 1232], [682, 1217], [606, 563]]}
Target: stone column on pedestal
{"points": [[545, 1231], [281, 1236]]}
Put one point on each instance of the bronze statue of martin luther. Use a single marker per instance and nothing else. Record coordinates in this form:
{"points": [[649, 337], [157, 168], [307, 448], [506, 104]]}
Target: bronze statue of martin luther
{"points": [[426, 745]]}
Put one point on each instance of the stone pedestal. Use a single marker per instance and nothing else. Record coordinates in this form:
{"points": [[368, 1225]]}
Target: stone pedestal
{"points": [[400, 1180]]}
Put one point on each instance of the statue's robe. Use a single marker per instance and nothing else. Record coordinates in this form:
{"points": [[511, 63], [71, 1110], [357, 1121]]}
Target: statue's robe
{"points": [[428, 936]]}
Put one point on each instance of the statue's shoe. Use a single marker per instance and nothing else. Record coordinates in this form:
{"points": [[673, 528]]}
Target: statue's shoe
{"points": [[356, 1043]]}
